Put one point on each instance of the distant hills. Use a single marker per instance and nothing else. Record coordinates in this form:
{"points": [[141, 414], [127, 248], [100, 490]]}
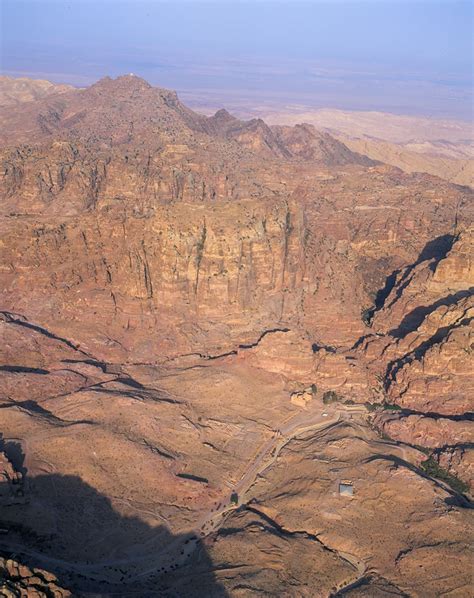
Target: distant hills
{"points": [[16, 90], [444, 148]]}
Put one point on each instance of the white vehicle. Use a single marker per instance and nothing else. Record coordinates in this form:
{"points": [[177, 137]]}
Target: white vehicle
{"points": [[325, 414]]}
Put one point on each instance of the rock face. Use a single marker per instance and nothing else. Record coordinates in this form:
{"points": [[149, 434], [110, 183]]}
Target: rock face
{"points": [[422, 352], [17, 580], [207, 325], [431, 367], [229, 237], [12, 489]]}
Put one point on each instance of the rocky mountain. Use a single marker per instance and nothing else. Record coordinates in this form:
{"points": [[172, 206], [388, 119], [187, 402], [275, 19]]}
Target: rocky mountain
{"points": [[235, 358]]}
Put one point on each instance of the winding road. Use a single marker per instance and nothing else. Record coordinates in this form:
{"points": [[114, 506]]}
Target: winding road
{"points": [[177, 553]]}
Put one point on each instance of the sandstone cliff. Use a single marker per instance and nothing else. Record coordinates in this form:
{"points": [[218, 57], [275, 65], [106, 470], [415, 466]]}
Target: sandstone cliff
{"points": [[204, 314]]}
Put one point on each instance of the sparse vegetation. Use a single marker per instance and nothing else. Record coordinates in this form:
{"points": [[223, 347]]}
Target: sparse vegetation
{"points": [[392, 407], [366, 316], [349, 402], [330, 396], [432, 468], [373, 406]]}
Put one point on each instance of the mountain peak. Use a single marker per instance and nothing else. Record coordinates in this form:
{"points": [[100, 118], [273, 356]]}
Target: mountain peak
{"points": [[223, 115], [128, 82]]}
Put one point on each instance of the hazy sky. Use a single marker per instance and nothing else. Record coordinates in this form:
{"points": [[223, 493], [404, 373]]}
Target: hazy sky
{"points": [[402, 56]]}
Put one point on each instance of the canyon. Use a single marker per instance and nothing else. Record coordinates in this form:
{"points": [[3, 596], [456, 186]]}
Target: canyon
{"points": [[235, 357]]}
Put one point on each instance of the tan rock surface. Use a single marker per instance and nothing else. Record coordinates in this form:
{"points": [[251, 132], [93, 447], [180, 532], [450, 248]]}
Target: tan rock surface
{"points": [[427, 431], [379, 527], [172, 287], [443, 148], [14, 91], [455, 167]]}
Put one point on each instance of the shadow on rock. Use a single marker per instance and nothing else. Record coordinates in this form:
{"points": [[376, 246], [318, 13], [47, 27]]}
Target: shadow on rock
{"points": [[14, 453], [437, 248], [69, 529]]}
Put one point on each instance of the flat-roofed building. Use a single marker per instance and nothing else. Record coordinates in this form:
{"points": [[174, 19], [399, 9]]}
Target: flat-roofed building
{"points": [[346, 489]]}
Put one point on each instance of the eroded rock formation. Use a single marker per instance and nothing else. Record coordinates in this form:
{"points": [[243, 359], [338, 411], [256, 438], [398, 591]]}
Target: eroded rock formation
{"points": [[208, 326]]}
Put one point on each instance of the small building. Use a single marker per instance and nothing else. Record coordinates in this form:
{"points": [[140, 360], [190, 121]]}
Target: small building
{"points": [[346, 488]]}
